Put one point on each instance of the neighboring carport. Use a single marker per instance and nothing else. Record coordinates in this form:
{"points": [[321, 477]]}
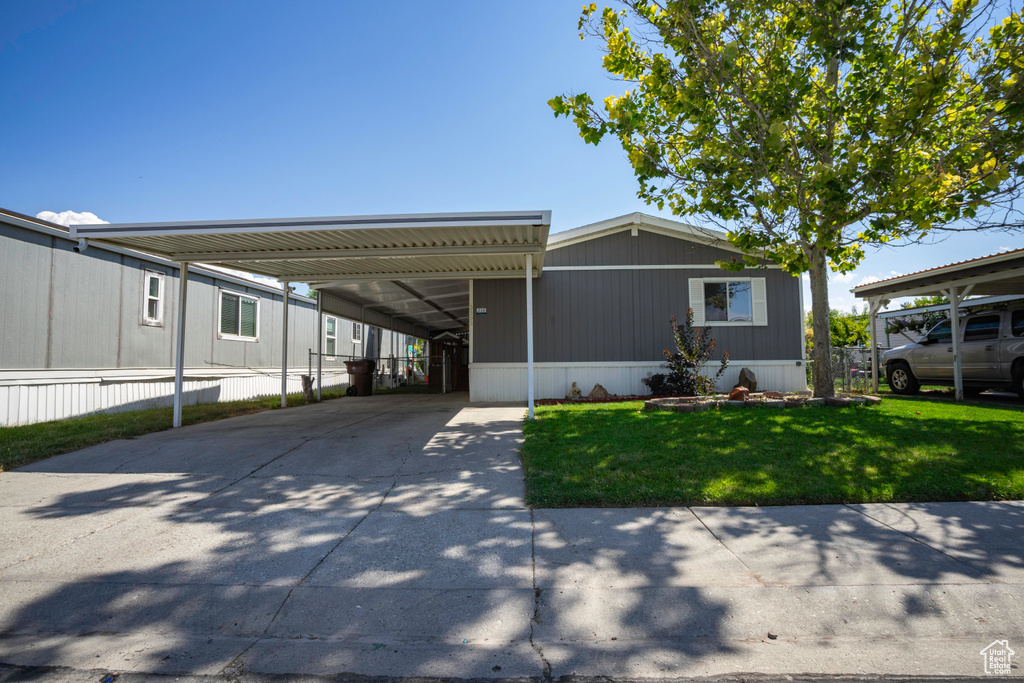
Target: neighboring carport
{"points": [[410, 272], [996, 275]]}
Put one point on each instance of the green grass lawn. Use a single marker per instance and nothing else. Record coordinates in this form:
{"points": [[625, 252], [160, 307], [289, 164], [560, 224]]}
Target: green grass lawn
{"points": [[24, 444], [906, 449]]}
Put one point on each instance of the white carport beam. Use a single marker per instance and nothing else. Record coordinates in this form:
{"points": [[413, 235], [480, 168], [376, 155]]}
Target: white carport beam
{"points": [[284, 349], [356, 253], [529, 334], [179, 343]]}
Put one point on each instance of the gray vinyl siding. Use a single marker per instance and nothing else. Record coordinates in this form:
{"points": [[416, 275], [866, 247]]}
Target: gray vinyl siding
{"points": [[623, 315], [64, 310]]}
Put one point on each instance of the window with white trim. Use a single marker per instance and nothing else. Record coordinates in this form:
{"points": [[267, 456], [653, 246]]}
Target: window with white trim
{"points": [[357, 333], [239, 316], [331, 336], [728, 301], [153, 292]]}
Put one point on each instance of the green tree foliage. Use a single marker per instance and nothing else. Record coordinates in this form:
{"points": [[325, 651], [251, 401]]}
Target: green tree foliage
{"points": [[845, 329], [810, 129]]}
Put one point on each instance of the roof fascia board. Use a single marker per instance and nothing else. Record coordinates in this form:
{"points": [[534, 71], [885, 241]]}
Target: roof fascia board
{"points": [[149, 258], [357, 253], [885, 288], [313, 224], [318, 279], [976, 263], [641, 221]]}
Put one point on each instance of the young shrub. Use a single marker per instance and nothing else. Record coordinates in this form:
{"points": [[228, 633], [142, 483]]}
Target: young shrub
{"points": [[694, 346], [658, 384]]}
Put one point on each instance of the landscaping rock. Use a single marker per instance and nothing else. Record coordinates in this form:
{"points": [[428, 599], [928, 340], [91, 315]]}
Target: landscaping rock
{"points": [[795, 404], [747, 379], [872, 400], [574, 392], [815, 402], [598, 392], [733, 404], [837, 402], [772, 394], [685, 407], [775, 404], [856, 400], [739, 394]]}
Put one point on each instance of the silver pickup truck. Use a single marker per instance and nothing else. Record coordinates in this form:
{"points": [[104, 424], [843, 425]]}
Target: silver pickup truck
{"points": [[991, 355]]}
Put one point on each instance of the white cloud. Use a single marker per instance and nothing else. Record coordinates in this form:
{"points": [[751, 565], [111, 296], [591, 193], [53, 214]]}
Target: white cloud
{"points": [[868, 279], [1003, 250], [843, 277], [67, 218]]}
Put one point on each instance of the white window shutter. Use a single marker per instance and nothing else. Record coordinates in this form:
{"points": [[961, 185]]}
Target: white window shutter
{"points": [[697, 300], [757, 294]]}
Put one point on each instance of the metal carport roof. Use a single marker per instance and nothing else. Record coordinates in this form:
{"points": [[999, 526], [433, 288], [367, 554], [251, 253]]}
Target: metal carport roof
{"points": [[412, 268]]}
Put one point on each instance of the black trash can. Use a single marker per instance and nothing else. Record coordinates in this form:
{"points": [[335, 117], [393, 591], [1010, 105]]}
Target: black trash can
{"points": [[360, 375]]}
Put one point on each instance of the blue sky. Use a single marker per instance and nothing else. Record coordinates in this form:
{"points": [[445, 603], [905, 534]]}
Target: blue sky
{"points": [[149, 111]]}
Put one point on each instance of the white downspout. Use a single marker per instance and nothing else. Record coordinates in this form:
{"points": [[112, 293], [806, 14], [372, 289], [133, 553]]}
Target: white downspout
{"points": [[179, 343]]}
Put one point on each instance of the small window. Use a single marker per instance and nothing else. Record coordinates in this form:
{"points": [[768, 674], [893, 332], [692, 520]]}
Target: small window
{"points": [[357, 333], [728, 302], [982, 328], [331, 341], [941, 333], [1017, 323], [239, 316], [153, 292]]}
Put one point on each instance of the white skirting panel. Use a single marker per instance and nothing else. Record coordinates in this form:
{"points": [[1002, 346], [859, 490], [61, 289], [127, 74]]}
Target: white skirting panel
{"points": [[27, 397], [507, 381]]}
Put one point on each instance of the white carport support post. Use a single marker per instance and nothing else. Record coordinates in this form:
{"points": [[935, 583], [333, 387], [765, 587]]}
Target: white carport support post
{"points": [[956, 297], [284, 349], [529, 333], [320, 343], [179, 343], [874, 305]]}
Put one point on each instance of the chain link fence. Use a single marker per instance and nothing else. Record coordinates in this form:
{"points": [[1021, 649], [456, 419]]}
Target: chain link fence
{"points": [[851, 369]]}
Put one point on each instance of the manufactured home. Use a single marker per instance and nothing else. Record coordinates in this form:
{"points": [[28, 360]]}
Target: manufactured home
{"points": [[515, 313]]}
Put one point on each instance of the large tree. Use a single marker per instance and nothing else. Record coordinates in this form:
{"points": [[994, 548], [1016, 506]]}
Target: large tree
{"points": [[809, 129]]}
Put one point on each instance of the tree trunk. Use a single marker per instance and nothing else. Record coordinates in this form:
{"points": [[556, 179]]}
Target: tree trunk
{"points": [[824, 384]]}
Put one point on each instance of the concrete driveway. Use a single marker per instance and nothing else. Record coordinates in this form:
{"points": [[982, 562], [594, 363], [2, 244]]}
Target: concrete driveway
{"points": [[388, 536]]}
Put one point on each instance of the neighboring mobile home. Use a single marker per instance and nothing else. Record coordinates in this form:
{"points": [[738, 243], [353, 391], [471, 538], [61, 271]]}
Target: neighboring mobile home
{"points": [[93, 330]]}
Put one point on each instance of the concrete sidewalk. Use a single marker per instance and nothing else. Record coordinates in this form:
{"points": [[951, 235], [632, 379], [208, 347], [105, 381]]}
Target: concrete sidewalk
{"points": [[388, 536]]}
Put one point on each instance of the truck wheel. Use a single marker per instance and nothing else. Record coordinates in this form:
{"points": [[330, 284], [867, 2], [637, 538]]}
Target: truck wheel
{"points": [[901, 379]]}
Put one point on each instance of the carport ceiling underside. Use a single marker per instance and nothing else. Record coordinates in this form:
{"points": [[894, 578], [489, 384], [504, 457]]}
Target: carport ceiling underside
{"points": [[413, 268]]}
